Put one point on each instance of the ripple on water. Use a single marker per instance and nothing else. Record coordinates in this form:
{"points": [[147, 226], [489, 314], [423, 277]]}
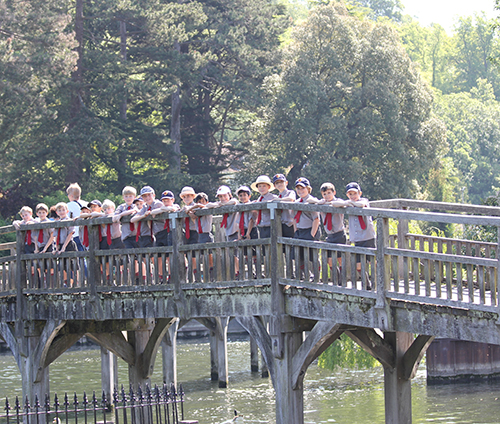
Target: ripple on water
{"points": [[342, 396]]}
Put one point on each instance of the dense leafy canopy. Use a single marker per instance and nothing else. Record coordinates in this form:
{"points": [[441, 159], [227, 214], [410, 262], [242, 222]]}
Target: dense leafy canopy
{"points": [[348, 105], [169, 93]]}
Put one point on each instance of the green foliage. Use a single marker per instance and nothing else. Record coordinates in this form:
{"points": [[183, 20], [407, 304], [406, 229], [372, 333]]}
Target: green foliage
{"points": [[481, 232], [346, 354], [382, 8], [348, 105], [101, 114], [471, 166], [6, 238]]}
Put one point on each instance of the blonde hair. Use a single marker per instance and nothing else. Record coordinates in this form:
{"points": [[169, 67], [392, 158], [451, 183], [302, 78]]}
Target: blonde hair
{"points": [[25, 209], [61, 205], [108, 204], [74, 190], [129, 190], [42, 206]]}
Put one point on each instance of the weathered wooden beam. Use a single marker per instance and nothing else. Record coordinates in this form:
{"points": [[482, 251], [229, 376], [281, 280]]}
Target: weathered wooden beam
{"points": [[375, 345], [169, 354], [41, 352], [149, 354], [60, 345], [7, 332], [397, 389], [255, 327], [321, 336], [414, 355], [209, 323], [116, 343]]}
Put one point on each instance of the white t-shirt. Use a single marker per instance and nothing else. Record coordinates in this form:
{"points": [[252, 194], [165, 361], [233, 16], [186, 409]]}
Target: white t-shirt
{"points": [[74, 208]]}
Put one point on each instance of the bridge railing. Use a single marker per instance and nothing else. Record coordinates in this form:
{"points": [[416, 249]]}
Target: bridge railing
{"points": [[403, 265]]}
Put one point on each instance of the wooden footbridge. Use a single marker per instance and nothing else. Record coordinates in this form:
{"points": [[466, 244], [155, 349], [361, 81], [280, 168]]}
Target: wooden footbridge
{"points": [[411, 289]]}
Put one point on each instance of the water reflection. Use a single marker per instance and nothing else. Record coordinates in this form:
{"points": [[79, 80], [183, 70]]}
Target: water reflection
{"points": [[345, 396]]}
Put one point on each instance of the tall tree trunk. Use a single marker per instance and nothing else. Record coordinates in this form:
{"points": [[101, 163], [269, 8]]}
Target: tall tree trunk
{"points": [[74, 169], [175, 123], [122, 149]]}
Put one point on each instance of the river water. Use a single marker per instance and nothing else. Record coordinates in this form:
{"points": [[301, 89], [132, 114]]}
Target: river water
{"points": [[343, 396]]}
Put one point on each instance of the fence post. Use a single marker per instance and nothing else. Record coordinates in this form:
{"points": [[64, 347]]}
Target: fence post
{"points": [[402, 242], [383, 278], [93, 270], [20, 276], [496, 290]]}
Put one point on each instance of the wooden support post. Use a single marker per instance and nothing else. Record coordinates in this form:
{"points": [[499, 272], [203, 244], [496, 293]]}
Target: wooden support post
{"points": [[139, 339], [35, 377], [109, 374], [221, 343], [383, 276], [214, 363], [402, 243], [169, 354], [397, 386], [289, 401], [254, 355], [264, 371]]}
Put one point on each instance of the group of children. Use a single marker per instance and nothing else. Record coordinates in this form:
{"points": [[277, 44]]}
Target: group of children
{"points": [[138, 233]]}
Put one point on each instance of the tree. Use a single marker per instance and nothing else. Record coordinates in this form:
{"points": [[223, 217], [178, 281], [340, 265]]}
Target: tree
{"points": [[477, 43], [348, 105], [383, 8], [432, 50], [473, 132], [139, 73], [36, 57]]}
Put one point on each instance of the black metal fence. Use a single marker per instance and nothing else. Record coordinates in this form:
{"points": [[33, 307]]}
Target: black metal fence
{"points": [[158, 405]]}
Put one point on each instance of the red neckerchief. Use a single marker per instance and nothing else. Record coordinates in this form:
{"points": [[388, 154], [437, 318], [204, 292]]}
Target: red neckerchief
{"points": [[297, 215], [224, 220], [328, 222], [259, 218], [362, 222], [242, 223], [131, 225], [85, 241]]}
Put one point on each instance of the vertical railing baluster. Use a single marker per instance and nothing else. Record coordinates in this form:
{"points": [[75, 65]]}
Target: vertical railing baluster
{"points": [[94, 406], [166, 403], [56, 405], [66, 407], [157, 397], [104, 405], [497, 273], [27, 409], [175, 415], [17, 408], [116, 402], [124, 402], [132, 399], [47, 408], [75, 406], [37, 410], [85, 406], [7, 409]]}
